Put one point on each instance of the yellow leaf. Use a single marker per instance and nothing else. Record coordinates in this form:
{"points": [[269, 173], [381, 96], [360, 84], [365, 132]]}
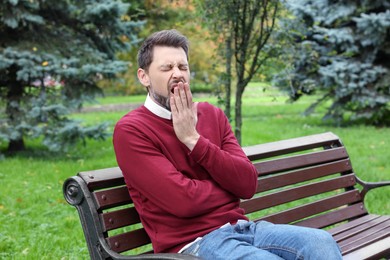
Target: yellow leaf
{"points": [[45, 63], [125, 17], [124, 38], [34, 48]]}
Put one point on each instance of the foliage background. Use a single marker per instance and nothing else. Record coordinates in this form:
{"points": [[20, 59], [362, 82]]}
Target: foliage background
{"points": [[52, 53], [339, 50]]}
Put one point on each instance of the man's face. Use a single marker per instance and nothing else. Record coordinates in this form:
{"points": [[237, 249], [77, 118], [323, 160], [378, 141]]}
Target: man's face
{"points": [[169, 67]]}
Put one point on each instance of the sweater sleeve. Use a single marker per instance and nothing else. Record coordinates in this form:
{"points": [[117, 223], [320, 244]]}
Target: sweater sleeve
{"points": [[227, 164], [148, 171]]}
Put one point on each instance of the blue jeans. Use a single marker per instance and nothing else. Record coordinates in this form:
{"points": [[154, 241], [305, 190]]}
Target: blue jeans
{"points": [[264, 240]]}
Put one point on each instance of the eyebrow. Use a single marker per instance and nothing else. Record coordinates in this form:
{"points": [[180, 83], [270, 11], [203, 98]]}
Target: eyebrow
{"points": [[170, 65]]}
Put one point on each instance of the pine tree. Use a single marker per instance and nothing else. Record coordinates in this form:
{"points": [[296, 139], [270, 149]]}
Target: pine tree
{"points": [[52, 53], [340, 50]]}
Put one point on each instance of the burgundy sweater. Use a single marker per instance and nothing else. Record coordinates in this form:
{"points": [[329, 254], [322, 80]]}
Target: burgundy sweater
{"points": [[181, 195]]}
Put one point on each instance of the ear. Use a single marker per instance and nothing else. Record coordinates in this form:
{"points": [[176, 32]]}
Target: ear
{"points": [[143, 77]]}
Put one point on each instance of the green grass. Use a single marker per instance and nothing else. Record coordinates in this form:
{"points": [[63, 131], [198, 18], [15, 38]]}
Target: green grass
{"points": [[36, 222]]}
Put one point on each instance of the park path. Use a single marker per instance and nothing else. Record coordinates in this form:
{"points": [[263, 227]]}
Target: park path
{"points": [[109, 108]]}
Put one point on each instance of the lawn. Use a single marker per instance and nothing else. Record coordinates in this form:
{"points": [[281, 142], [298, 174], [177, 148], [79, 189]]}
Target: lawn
{"points": [[37, 223]]}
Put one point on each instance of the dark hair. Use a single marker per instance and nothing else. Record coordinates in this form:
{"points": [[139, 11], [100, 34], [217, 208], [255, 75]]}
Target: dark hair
{"points": [[169, 38]]}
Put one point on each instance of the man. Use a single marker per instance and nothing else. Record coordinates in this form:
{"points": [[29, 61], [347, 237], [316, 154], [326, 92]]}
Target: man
{"points": [[186, 172]]}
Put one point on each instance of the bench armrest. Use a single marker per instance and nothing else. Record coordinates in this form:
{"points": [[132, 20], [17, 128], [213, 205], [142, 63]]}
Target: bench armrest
{"points": [[77, 194], [367, 186]]}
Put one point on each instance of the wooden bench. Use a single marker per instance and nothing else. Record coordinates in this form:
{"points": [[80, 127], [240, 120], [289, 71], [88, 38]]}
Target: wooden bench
{"points": [[306, 181]]}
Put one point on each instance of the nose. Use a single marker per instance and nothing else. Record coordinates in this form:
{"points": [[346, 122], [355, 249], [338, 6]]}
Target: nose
{"points": [[177, 73]]}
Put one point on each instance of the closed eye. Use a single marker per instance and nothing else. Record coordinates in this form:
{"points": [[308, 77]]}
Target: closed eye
{"points": [[166, 67]]}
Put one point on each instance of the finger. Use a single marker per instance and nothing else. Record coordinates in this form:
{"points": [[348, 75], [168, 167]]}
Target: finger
{"points": [[173, 105], [188, 94], [183, 94], [178, 99]]}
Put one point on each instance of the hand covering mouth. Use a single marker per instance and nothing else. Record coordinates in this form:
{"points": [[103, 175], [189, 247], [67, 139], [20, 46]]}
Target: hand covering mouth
{"points": [[174, 84]]}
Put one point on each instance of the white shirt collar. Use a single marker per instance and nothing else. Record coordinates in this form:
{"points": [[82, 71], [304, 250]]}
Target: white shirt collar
{"points": [[157, 109]]}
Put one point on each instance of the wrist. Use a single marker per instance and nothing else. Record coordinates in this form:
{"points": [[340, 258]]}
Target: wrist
{"points": [[191, 141]]}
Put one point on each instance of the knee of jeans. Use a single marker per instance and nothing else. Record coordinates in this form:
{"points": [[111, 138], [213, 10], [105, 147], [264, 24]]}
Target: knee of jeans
{"points": [[324, 239], [319, 235], [326, 236]]}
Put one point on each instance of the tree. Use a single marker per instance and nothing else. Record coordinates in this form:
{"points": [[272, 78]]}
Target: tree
{"points": [[245, 26], [340, 50], [52, 53], [217, 17]]}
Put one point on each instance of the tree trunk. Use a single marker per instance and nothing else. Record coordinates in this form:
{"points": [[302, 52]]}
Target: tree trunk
{"points": [[13, 111], [42, 96], [228, 79], [238, 110], [16, 145]]}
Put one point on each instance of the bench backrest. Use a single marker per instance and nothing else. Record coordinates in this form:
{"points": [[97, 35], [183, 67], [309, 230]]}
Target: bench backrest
{"points": [[306, 181]]}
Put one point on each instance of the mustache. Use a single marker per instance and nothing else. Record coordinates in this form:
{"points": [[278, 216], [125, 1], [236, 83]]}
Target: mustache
{"points": [[173, 83]]}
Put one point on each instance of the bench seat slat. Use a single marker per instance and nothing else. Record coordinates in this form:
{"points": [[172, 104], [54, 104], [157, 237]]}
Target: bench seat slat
{"points": [[366, 226], [301, 212], [296, 193], [112, 198], [129, 240], [299, 161], [119, 218], [354, 223], [363, 234], [273, 182], [367, 237], [370, 251]]}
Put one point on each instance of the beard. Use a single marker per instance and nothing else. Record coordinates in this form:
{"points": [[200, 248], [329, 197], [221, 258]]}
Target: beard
{"points": [[160, 99]]}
